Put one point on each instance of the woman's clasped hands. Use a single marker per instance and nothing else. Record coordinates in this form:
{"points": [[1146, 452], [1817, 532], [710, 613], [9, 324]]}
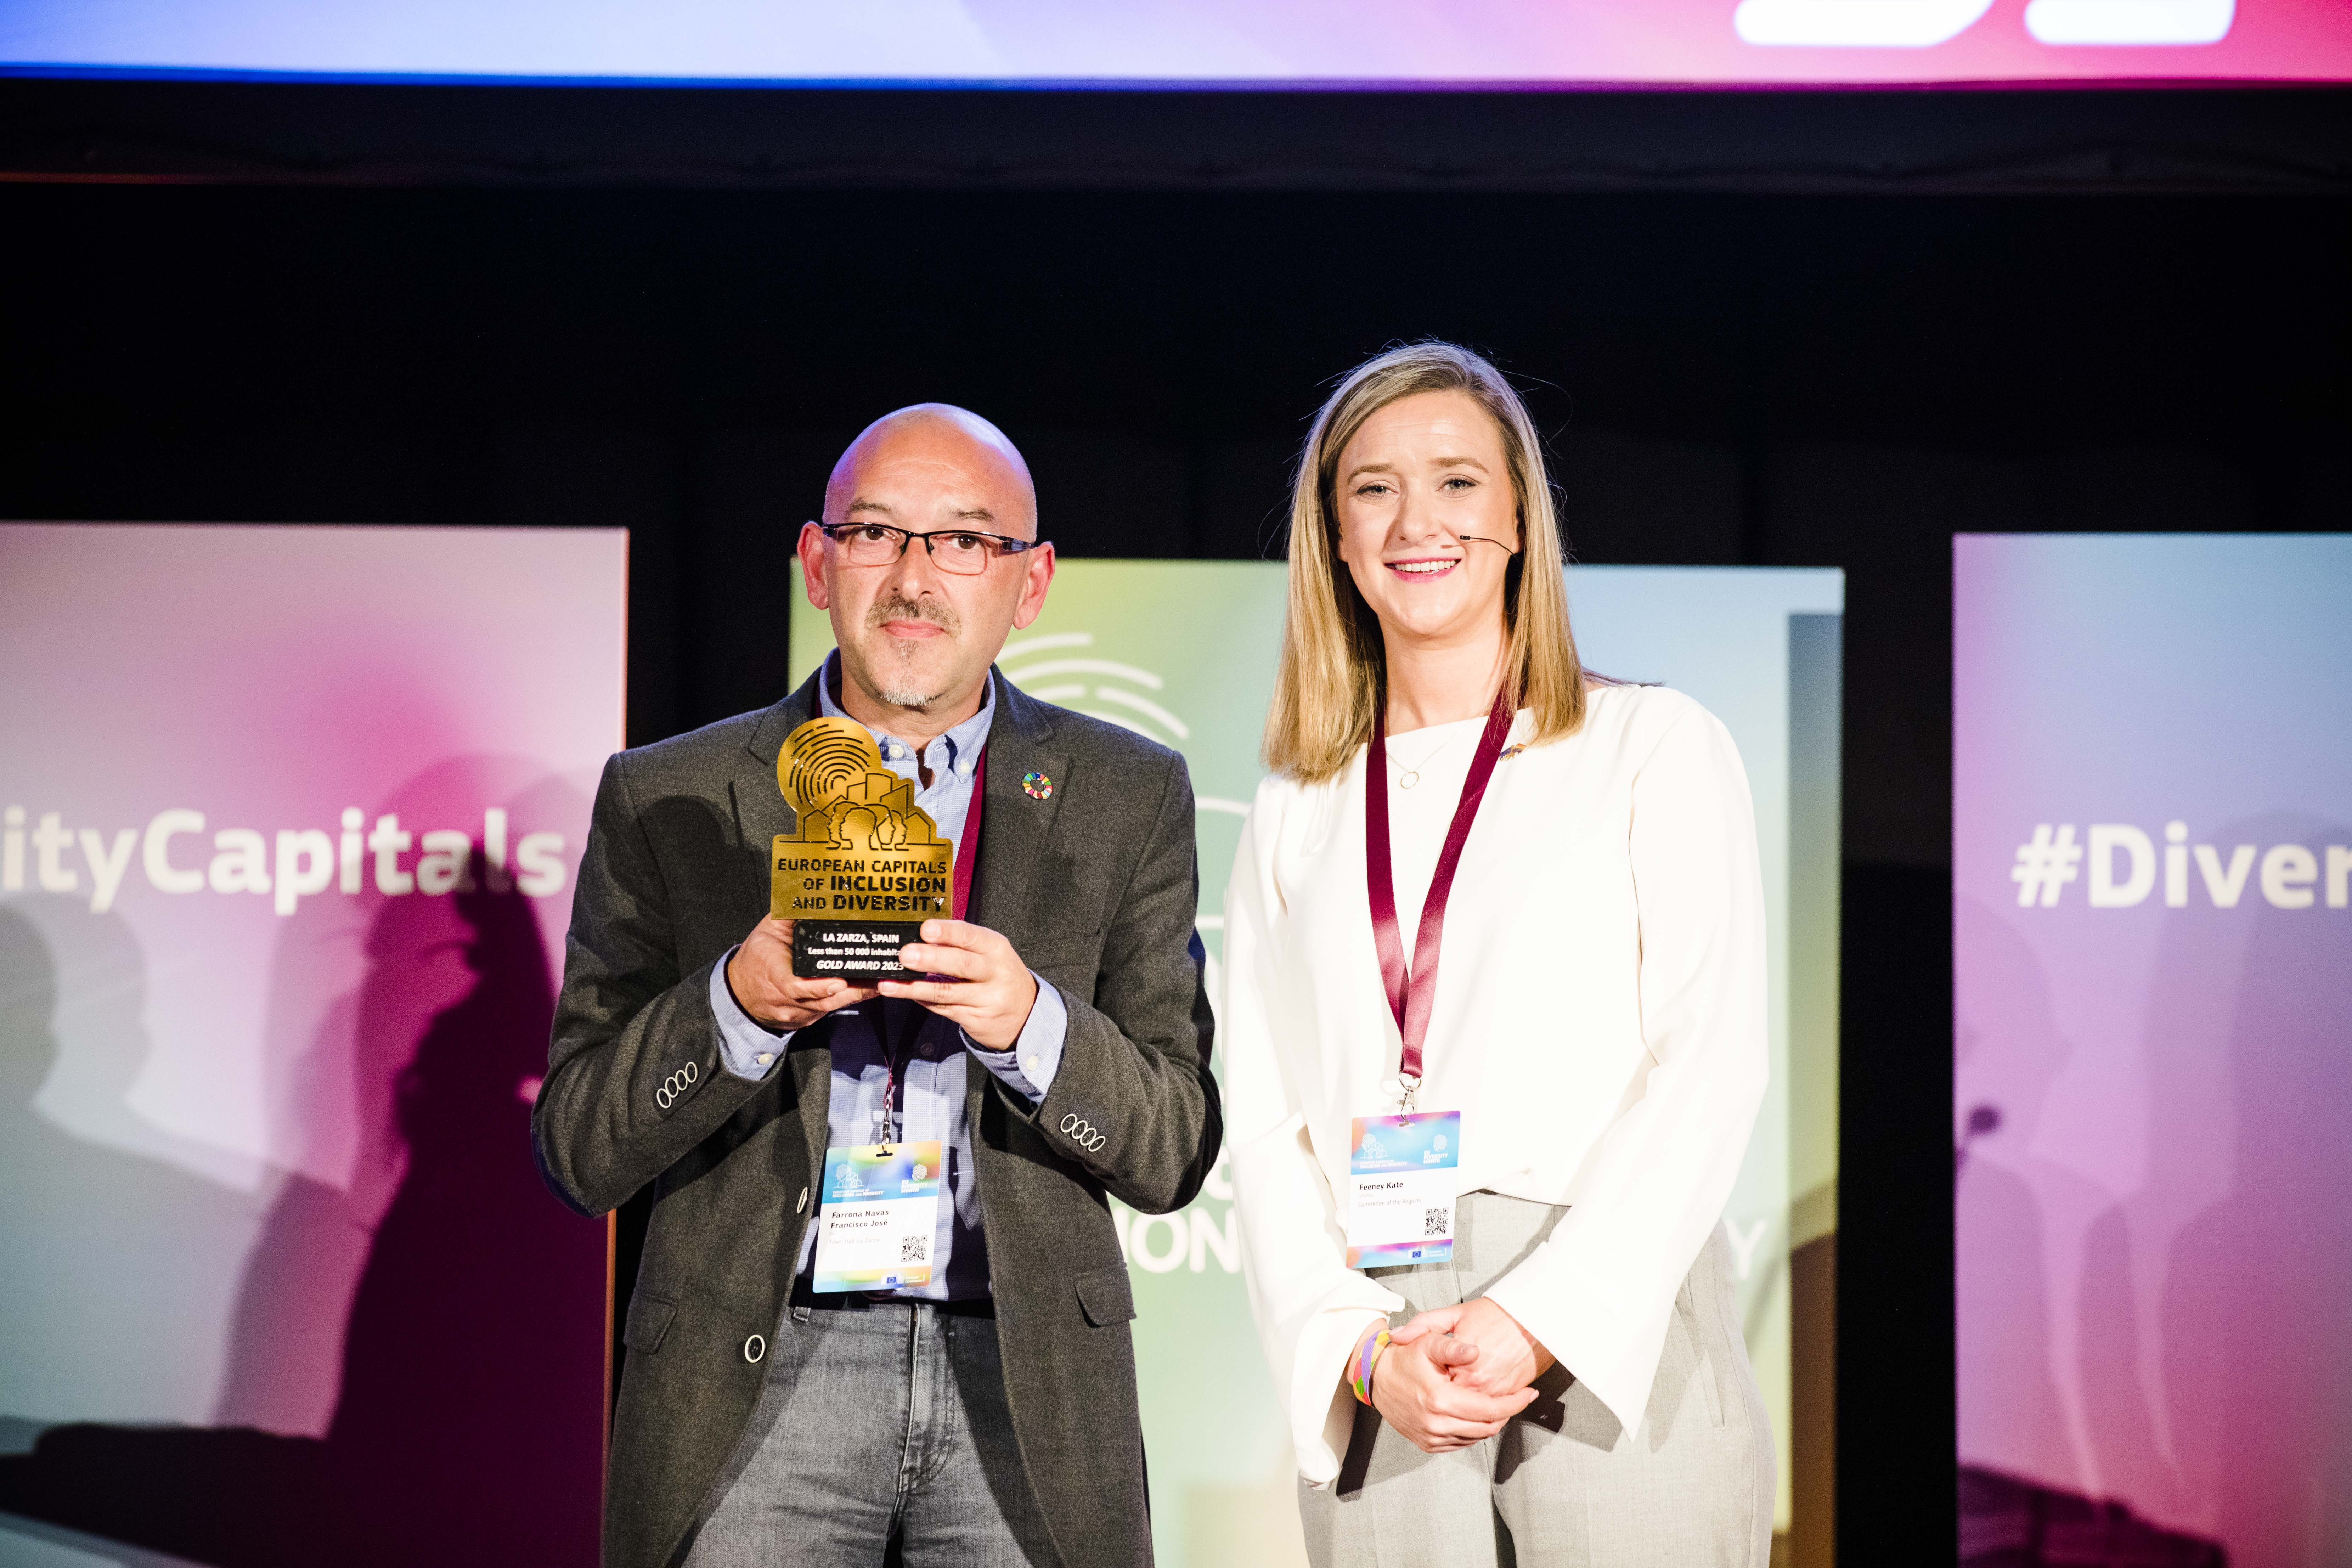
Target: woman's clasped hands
{"points": [[1454, 1375]]}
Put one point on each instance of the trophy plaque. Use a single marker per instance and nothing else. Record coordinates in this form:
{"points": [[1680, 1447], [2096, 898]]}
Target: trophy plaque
{"points": [[866, 866]]}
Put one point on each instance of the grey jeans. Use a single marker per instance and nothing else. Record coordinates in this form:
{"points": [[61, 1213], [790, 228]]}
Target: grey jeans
{"points": [[879, 1420], [1564, 1486]]}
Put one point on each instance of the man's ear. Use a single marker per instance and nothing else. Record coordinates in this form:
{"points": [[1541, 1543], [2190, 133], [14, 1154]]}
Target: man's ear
{"points": [[811, 550], [1038, 577]]}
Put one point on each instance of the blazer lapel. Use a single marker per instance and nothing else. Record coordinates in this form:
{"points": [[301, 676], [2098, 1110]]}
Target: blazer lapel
{"points": [[1017, 826], [761, 810]]}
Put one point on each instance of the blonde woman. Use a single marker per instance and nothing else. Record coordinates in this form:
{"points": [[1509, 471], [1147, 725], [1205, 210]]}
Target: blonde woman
{"points": [[1494, 1028]]}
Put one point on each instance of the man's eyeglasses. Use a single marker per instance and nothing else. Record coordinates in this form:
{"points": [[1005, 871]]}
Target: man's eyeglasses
{"points": [[964, 551]]}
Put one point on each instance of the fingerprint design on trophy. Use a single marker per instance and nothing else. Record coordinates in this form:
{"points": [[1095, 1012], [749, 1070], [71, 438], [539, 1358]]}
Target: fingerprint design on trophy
{"points": [[820, 759]]}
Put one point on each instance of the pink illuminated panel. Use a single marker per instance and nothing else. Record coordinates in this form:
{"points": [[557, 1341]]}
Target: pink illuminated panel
{"points": [[288, 824], [2152, 969]]}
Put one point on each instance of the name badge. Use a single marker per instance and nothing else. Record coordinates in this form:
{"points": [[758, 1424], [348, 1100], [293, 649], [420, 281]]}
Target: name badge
{"points": [[1401, 1171], [879, 1212]]}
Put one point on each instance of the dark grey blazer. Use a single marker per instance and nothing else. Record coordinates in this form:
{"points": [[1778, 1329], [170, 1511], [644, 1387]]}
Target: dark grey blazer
{"points": [[1095, 887]]}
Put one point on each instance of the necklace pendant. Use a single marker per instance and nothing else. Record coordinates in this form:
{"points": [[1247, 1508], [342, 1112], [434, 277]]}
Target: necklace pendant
{"points": [[1411, 777]]}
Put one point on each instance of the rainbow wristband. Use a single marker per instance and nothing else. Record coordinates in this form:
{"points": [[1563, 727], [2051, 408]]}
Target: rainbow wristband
{"points": [[1368, 1354]]}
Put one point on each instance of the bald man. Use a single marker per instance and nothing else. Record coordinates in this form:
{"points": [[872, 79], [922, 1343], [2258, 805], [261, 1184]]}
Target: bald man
{"points": [[1057, 1049]]}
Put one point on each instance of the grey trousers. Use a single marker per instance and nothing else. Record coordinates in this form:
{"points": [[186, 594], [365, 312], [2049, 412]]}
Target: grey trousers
{"points": [[873, 1421], [1564, 1486]]}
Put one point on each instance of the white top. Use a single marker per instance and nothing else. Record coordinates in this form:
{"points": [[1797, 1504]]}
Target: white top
{"points": [[1599, 1022]]}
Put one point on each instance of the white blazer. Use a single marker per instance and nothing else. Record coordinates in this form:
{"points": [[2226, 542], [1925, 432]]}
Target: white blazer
{"points": [[1599, 1022]]}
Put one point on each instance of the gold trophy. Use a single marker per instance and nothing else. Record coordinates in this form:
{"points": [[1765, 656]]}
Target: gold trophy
{"points": [[867, 866]]}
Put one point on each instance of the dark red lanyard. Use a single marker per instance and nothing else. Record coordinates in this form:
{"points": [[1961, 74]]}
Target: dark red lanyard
{"points": [[968, 841], [967, 855], [1410, 998]]}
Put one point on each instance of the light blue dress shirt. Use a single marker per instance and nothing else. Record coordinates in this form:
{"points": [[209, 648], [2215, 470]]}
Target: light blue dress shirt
{"points": [[935, 1051]]}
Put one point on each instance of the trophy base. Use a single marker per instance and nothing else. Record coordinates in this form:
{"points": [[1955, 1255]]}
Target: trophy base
{"points": [[852, 950]]}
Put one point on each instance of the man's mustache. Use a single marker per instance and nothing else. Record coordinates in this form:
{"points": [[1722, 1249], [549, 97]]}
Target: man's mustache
{"points": [[903, 609]]}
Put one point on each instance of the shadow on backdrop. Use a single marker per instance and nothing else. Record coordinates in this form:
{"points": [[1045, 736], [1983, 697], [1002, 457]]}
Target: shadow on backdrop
{"points": [[462, 1429], [2257, 1366], [2240, 1225], [2009, 1404], [115, 1265], [2007, 1051]]}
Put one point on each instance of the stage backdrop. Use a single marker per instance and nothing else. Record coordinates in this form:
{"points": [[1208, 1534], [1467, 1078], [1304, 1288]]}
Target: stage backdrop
{"points": [[1184, 652], [290, 821], [2151, 843], [1195, 43]]}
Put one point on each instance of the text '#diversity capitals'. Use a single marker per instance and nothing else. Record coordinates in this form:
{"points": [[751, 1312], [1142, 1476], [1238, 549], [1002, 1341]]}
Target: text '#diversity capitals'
{"points": [[178, 854]]}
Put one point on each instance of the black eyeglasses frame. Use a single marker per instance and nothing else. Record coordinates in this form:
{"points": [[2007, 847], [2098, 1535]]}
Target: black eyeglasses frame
{"points": [[1004, 545]]}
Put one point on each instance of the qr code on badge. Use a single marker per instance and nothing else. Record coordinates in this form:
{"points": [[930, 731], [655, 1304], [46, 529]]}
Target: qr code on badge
{"points": [[915, 1250], [1438, 1221]]}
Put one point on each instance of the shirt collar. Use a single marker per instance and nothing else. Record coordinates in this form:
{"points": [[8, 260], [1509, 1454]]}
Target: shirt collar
{"points": [[962, 741]]}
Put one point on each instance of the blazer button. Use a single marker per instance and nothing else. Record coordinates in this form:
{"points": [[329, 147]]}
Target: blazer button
{"points": [[801, 1206], [754, 1347]]}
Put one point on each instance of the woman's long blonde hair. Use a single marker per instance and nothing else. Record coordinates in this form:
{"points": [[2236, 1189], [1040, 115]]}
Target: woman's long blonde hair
{"points": [[1334, 663]]}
